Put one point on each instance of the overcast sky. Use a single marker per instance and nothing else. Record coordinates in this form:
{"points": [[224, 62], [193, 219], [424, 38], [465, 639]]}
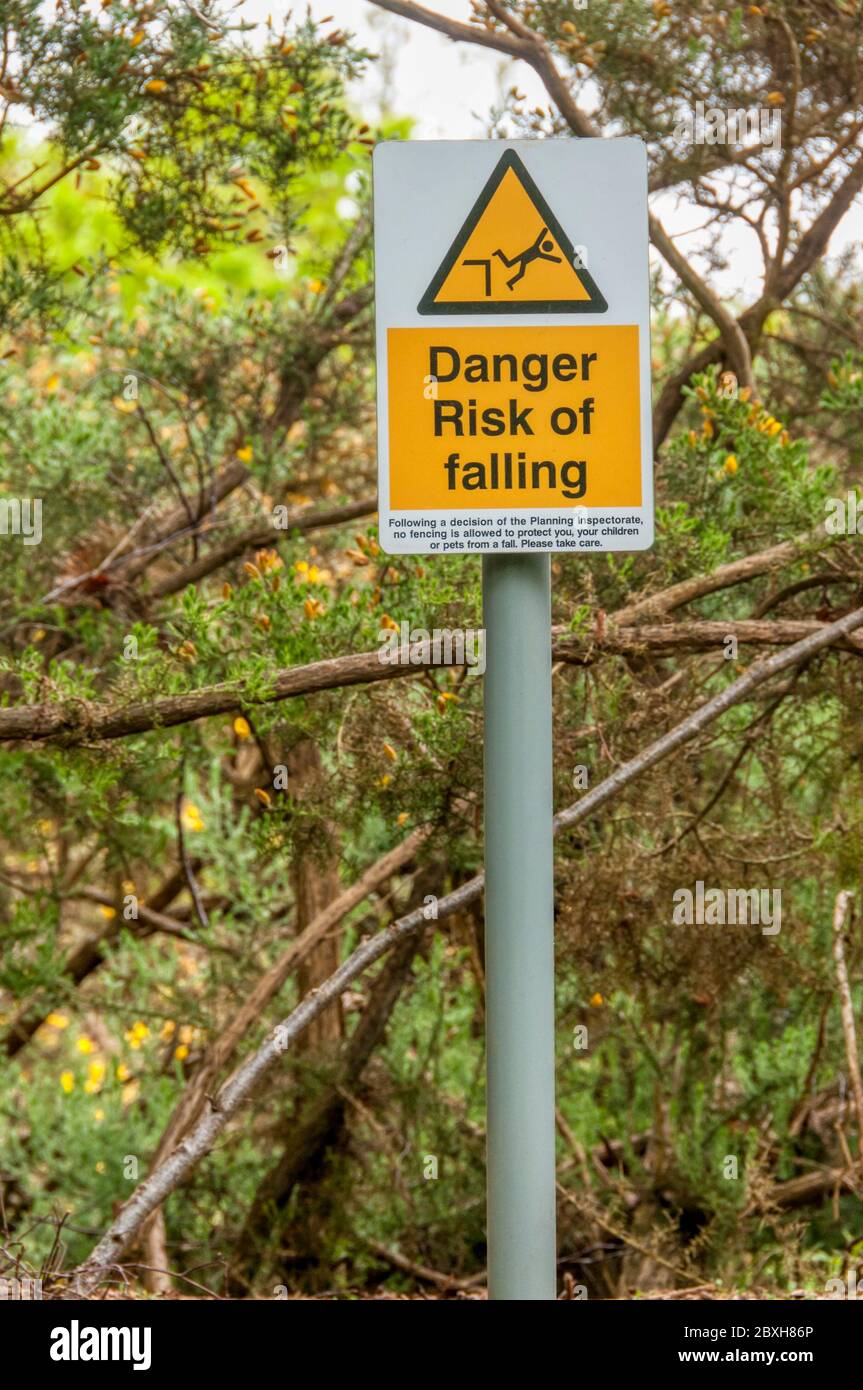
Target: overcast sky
{"points": [[450, 88]]}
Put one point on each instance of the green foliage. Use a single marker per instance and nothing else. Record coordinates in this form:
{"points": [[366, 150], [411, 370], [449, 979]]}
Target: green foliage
{"points": [[188, 355]]}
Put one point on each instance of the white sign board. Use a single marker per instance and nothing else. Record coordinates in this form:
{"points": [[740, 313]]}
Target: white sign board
{"points": [[513, 346]]}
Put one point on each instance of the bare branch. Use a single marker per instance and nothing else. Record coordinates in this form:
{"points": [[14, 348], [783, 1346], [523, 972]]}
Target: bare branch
{"points": [[846, 1004]]}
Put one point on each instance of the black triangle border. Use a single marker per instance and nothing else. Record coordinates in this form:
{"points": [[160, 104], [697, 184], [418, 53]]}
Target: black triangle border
{"points": [[596, 304]]}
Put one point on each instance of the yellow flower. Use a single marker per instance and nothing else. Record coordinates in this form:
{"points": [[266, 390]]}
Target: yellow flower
{"points": [[96, 1071], [181, 1052], [137, 38], [268, 560], [192, 819], [100, 1166], [242, 728], [156, 85], [85, 1045], [731, 464], [596, 1001], [125, 407], [385, 780], [53, 382], [776, 99], [246, 454], [57, 1020], [136, 1034], [317, 286], [302, 566], [67, 1081], [123, 1072], [98, 1116], [107, 912], [402, 817]]}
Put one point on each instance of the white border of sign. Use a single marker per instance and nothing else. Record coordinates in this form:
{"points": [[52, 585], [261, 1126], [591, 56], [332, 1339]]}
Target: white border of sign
{"points": [[423, 192]]}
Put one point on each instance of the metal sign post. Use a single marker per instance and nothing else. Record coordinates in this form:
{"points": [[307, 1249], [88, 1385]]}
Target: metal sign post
{"points": [[513, 367], [519, 927]]}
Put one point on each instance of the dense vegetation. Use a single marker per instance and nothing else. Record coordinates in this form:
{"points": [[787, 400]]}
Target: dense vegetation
{"points": [[200, 821]]}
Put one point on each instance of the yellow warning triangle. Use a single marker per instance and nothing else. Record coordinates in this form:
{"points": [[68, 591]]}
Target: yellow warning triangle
{"points": [[512, 256]]}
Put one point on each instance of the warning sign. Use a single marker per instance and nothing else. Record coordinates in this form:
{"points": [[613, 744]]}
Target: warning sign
{"points": [[513, 346], [512, 255]]}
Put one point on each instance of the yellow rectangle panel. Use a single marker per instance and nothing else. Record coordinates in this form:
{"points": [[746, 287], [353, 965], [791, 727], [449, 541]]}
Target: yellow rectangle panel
{"points": [[488, 418]]}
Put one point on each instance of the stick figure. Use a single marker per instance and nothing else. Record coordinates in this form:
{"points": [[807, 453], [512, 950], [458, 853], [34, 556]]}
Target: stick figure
{"points": [[538, 251]]}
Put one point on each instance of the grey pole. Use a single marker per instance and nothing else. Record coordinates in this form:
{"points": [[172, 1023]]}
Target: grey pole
{"points": [[519, 927]]}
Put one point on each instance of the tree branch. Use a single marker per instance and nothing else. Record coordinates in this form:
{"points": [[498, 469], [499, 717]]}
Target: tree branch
{"points": [[265, 533], [846, 1006], [723, 577], [81, 723]]}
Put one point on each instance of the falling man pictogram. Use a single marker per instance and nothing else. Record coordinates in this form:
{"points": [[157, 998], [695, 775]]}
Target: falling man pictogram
{"points": [[539, 250]]}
